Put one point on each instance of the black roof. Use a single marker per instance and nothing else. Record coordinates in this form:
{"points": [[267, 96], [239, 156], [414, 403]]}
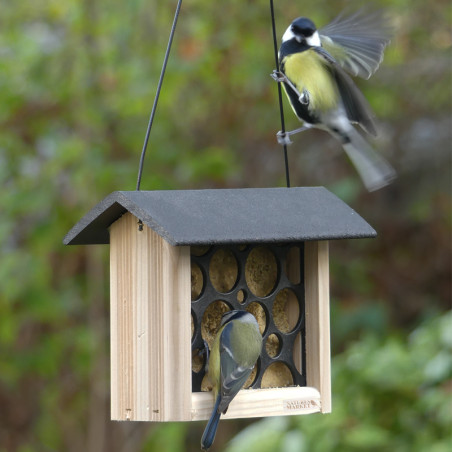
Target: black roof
{"points": [[248, 215]]}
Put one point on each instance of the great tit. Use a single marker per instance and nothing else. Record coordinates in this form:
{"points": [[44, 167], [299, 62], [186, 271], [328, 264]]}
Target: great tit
{"points": [[313, 68], [234, 353]]}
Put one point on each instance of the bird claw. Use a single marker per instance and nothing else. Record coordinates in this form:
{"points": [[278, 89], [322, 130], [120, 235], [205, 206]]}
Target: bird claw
{"points": [[283, 138], [278, 76], [202, 352], [205, 350], [304, 98]]}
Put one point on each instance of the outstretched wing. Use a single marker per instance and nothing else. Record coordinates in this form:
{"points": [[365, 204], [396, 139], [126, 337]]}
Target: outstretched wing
{"points": [[354, 102], [357, 42]]}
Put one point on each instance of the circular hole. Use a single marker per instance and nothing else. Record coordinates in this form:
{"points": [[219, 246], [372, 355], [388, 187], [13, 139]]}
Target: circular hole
{"points": [[258, 311], [273, 345], [277, 375], [192, 326], [251, 378], [223, 270], [211, 320], [197, 281], [199, 250], [297, 353], [197, 360], [286, 310], [261, 271], [293, 265], [241, 296]]}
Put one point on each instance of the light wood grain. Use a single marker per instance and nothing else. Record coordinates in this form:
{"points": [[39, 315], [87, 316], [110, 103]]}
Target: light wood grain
{"points": [[261, 403], [151, 335], [318, 359], [293, 269], [150, 325]]}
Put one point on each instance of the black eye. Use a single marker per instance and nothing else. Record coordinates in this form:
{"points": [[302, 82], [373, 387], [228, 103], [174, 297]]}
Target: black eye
{"points": [[303, 27], [302, 31], [298, 30]]}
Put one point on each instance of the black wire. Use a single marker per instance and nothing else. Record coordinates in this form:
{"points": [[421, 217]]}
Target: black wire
{"points": [[157, 94], [281, 108], [159, 87]]}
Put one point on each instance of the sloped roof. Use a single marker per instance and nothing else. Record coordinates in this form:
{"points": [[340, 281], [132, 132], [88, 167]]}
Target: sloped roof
{"points": [[249, 215]]}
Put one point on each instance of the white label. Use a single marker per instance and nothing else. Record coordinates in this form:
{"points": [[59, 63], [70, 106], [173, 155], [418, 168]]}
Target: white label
{"points": [[299, 404]]}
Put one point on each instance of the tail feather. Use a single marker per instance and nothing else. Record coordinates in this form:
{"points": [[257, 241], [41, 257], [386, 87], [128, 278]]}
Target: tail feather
{"points": [[211, 428], [374, 170]]}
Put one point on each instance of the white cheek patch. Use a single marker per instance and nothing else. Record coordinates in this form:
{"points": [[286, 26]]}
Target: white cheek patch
{"points": [[314, 40], [288, 35]]}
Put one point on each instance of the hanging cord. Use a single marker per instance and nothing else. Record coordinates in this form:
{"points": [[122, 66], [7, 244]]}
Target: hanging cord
{"points": [[281, 108], [157, 94]]}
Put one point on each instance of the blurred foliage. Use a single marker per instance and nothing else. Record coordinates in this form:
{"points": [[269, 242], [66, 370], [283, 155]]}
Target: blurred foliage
{"points": [[77, 81], [389, 393]]}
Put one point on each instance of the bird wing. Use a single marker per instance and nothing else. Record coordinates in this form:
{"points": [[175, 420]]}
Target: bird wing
{"points": [[357, 42], [354, 102], [233, 376]]}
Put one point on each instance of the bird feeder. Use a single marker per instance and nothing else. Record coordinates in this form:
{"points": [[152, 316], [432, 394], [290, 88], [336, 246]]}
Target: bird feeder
{"points": [[178, 259]]}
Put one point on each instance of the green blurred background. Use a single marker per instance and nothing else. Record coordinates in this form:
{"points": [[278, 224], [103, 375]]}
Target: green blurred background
{"points": [[77, 82]]}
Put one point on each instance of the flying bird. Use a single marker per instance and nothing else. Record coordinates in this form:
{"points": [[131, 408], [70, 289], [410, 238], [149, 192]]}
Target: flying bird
{"points": [[315, 69]]}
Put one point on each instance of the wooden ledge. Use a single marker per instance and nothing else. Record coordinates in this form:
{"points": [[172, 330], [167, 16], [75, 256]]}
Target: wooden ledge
{"points": [[260, 403]]}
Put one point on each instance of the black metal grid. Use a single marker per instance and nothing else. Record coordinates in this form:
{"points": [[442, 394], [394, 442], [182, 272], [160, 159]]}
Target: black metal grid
{"points": [[209, 294]]}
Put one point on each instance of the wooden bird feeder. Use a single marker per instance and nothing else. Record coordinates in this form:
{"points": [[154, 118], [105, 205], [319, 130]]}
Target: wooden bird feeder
{"points": [[179, 259]]}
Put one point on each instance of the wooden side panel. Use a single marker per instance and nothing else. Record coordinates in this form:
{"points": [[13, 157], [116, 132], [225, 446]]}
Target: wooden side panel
{"points": [[293, 270], [260, 403], [150, 325], [318, 355]]}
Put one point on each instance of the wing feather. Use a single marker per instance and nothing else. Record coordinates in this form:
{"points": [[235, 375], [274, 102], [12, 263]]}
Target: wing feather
{"points": [[233, 376], [355, 104], [357, 42]]}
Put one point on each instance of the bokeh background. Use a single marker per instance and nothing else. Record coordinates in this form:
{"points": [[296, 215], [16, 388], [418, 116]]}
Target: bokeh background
{"points": [[77, 82]]}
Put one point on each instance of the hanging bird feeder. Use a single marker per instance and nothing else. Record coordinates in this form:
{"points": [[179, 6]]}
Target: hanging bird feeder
{"points": [[179, 259]]}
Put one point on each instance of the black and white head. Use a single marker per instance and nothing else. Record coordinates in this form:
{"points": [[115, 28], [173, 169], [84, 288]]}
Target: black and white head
{"points": [[242, 316], [304, 31]]}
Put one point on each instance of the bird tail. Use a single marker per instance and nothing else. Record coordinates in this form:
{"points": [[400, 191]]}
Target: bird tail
{"points": [[211, 428], [374, 170]]}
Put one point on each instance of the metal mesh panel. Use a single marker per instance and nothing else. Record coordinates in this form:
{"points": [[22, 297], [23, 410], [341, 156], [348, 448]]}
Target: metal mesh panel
{"points": [[248, 281]]}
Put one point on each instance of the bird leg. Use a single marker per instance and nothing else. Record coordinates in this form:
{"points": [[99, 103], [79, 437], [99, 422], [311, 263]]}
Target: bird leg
{"points": [[280, 77], [284, 137], [202, 352], [205, 351]]}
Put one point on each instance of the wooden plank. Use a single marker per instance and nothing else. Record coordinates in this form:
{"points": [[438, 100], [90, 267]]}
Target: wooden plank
{"points": [[293, 269], [151, 332], [260, 403], [176, 305], [318, 356], [121, 315], [150, 325]]}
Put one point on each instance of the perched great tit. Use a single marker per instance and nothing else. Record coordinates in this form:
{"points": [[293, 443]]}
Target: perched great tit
{"points": [[234, 353], [313, 68]]}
